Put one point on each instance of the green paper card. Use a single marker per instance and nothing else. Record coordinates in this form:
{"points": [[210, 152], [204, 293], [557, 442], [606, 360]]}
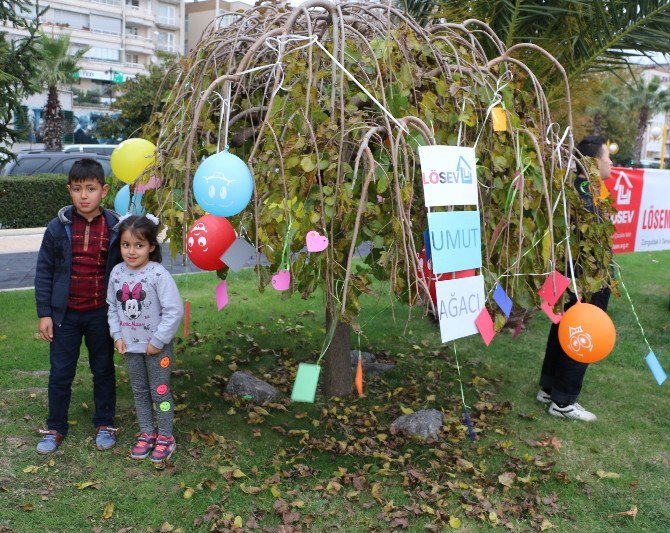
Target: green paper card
{"points": [[304, 388]]}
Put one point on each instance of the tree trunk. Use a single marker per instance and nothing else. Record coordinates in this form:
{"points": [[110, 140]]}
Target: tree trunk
{"points": [[337, 377], [53, 121], [597, 123], [641, 127]]}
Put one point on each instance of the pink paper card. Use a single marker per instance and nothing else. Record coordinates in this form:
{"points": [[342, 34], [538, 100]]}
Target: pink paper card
{"points": [[221, 295], [553, 287], [549, 311], [485, 326], [316, 242], [281, 281], [517, 331]]}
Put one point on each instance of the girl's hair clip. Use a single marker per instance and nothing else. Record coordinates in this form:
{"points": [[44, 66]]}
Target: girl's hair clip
{"points": [[153, 218]]}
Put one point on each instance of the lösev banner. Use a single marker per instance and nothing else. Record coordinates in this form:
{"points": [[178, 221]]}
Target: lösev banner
{"points": [[642, 199]]}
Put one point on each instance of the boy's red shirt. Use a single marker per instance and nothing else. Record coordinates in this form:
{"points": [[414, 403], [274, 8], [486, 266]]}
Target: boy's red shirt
{"points": [[90, 246]]}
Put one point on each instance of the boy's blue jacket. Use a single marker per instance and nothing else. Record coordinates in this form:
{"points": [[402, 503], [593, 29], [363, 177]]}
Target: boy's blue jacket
{"points": [[54, 263]]}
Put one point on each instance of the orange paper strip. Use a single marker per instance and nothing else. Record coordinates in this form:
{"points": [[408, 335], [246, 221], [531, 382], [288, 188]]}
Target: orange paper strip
{"points": [[499, 119], [358, 381]]}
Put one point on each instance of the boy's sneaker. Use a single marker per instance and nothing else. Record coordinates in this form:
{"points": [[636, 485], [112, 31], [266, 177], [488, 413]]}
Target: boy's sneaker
{"points": [[543, 397], [105, 437], [164, 449], [50, 441], [144, 446], [573, 412]]}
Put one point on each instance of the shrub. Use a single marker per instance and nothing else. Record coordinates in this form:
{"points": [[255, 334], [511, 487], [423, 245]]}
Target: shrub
{"points": [[31, 201]]}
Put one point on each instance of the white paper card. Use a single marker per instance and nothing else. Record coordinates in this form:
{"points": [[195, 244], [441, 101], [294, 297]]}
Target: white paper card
{"points": [[459, 302], [449, 175]]}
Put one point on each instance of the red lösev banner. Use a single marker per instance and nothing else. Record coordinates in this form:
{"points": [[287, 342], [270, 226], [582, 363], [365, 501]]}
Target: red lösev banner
{"points": [[642, 199]]}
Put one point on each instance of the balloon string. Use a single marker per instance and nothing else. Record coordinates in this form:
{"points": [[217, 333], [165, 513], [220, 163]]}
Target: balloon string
{"points": [[460, 381], [637, 319], [285, 259]]}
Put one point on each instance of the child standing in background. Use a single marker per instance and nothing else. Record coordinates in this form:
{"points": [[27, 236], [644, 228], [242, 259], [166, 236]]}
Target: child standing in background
{"points": [[145, 310]]}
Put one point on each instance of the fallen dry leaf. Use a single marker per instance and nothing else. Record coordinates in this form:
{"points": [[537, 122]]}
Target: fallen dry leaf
{"points": [[506, 479], [607, 475], [108, 511], [632, 513]]}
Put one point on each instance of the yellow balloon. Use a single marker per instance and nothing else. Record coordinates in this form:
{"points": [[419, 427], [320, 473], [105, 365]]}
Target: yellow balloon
{"points": [[131, 158]]}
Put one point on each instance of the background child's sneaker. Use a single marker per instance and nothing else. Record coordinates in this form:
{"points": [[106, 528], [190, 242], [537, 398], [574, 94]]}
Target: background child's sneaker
{"points": [[50, 441], [105, 437], [573, 412], [144, 446], [543, 397], [164, 449]]}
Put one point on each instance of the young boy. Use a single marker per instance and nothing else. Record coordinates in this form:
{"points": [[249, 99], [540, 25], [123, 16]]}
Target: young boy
{"points": [[77, 254]]}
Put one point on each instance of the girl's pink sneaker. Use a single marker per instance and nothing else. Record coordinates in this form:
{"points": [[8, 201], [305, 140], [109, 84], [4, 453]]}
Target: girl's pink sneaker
{"points": [[142, 449], [165, 447]]}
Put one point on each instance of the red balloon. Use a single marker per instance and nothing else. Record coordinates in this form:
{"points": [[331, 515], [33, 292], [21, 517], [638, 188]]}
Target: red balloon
{"points": [[208, 238]]}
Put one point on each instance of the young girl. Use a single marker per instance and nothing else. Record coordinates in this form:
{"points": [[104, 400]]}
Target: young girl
{"points": [[145, 310]]}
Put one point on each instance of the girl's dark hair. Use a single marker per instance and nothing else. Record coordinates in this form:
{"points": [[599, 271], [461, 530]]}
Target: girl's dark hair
{"points": [[143, 228], [591, 146]]}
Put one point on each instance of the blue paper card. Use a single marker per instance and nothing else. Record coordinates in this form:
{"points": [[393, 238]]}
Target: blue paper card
{"points": [[455, 241], [656, 368], [503, 301], [426, 243]]}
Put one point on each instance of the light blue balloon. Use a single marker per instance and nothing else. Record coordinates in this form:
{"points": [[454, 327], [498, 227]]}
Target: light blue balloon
{"points": [[123, 203], [223, 184]]}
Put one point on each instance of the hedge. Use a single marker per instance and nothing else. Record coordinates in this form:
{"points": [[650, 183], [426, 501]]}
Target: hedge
{"points": [[31, 201]]}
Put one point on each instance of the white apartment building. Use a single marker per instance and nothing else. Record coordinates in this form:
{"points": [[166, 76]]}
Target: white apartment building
{"points": [[201, 13], [651, 146], [123, 35]]}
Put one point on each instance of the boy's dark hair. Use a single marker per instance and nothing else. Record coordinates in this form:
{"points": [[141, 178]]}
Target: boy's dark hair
{"points": [[86, 169], [591, 146], [143, 228]]}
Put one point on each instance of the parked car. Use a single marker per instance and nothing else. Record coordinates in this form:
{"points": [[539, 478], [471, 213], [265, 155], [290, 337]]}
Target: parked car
{"points": [[50, 162], [104, 149]]}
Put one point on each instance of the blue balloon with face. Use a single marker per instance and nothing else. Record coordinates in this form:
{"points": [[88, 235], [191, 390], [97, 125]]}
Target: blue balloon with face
{"points": [[223, 184], [123, 203]]}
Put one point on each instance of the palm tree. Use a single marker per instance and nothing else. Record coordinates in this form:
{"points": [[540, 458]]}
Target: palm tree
{"points": [[649, 99], [57, 67], [420, 10], [586, 36]]}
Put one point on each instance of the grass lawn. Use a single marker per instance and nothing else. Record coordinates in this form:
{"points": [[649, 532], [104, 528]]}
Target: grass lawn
{"points": [[335, 464]]}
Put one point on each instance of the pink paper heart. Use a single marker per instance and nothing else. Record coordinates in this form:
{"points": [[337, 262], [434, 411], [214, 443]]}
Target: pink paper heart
{"points": [[151, 184], [316, 242], [281, 280]]}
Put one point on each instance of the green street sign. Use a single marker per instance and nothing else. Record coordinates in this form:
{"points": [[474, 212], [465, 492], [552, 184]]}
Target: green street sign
{"points": [[118, 77]]}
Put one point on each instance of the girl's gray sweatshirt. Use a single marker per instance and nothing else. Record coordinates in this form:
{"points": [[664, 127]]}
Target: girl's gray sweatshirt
{"points": [[144, 306]]}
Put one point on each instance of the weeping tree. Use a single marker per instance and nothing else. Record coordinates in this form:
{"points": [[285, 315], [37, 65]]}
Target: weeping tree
{"points": [[328, 103]]}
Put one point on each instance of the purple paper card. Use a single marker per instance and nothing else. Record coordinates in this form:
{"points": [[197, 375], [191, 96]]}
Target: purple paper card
{"points": [[221, 295], [503, 301]]}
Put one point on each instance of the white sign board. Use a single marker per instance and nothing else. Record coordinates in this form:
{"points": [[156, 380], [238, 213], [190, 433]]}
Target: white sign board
{"points": [[459, 302], [449, 175]]}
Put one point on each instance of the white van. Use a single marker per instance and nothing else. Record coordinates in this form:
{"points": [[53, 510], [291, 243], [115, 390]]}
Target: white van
{"points": [[103, 149]]}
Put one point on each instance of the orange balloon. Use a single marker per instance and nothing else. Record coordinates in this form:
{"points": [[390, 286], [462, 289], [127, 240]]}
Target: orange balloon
{"points": [[586, 333]]}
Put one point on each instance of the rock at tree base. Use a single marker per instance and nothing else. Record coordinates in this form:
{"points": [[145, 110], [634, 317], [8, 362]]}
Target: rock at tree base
{"points": [[370, 365], [243, 384], [425, 423]]}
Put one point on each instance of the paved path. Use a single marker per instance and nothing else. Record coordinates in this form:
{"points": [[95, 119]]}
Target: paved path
{"points": [[18, 257]]}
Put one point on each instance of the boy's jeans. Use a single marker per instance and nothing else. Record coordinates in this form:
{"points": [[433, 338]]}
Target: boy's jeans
{"points": [[65, 346]]}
